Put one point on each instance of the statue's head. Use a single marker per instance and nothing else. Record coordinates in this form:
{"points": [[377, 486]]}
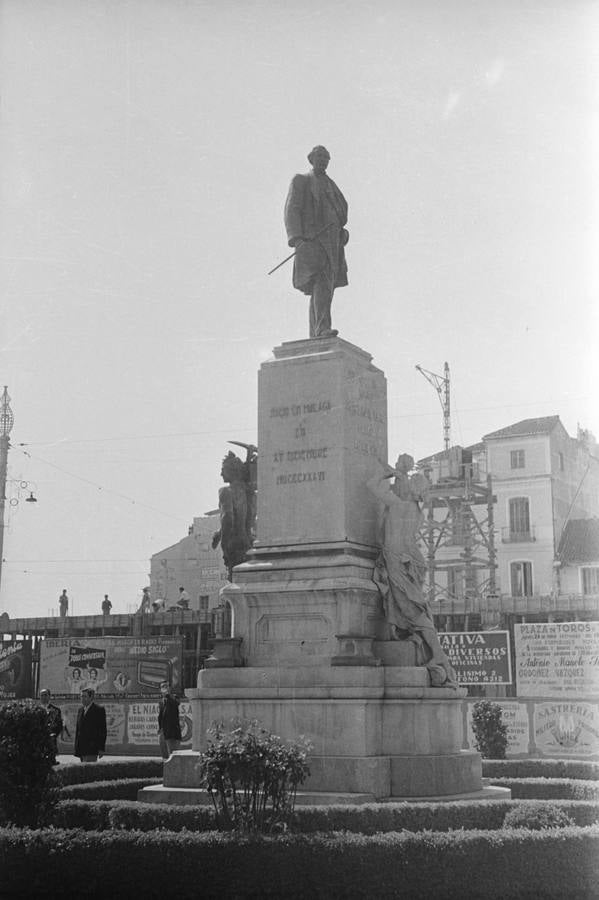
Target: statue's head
{"points": [[405, 463], [232, 468], [319, 157]]}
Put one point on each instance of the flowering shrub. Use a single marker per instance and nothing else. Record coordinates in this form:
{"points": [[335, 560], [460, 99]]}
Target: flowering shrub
{"points": [[490, 732], [252, 776]]}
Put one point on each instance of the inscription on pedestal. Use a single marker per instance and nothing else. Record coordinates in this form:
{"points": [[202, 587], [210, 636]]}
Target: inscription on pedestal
{"points": [[322, 423]]}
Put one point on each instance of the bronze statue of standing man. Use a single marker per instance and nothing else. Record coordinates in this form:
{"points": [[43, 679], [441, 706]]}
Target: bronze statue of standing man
{"points": [[315, 218]]}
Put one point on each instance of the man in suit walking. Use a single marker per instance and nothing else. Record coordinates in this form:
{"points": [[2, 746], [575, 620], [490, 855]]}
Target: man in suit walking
{"points": [[90, 734]]}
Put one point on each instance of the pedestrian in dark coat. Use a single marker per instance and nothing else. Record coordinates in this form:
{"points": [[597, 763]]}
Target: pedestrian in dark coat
{"points": [[169, 727], [90, 734], [54, 717]]}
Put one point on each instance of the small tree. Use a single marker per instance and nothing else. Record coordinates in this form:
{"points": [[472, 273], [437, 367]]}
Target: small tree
{"points": [[490, 732], [252, 776], [27, 756]]}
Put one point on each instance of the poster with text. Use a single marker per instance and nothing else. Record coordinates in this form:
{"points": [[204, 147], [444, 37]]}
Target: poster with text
{"points": [[479, 657], [567, 729], [557, 659], [115, 667], [15, 670]]}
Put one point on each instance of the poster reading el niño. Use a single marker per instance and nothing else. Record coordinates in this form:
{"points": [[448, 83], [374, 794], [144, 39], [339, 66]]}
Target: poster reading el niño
{"points": [[115, 667]]}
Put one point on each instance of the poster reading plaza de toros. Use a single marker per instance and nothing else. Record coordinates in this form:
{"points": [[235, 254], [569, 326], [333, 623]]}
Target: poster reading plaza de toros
{"points": [[557, 659]]}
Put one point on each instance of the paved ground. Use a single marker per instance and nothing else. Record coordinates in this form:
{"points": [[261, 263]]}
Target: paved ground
{"points": [[69, 759]]}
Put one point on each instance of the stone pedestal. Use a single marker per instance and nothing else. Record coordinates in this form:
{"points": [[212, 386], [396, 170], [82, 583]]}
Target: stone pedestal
{"points": [[309, 654]]}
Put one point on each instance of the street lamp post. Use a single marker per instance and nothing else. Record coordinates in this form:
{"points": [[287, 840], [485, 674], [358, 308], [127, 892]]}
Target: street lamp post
{"points": [[6, 422]]}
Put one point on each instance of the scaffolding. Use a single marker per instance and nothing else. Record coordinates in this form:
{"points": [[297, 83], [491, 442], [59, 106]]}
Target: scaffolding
{"points": [[459, 521]]}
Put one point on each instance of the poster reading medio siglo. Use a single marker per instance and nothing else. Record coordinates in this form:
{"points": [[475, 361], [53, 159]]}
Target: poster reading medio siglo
{"points": [[114, 666]]}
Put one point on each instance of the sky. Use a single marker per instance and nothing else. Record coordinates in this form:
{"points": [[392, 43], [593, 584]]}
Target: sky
{"points": [[146, 150]]}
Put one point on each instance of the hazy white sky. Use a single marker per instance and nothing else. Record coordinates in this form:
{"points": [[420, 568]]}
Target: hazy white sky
{"points": [[147, 147]]}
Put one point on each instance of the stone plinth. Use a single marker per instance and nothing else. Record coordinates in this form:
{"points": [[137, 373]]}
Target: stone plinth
{"points": [[322, 409], [322, 422], [379, 730]]}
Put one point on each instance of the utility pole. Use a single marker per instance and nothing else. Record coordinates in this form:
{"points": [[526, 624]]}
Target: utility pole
{"points": [[6, 422], [441, 385]]}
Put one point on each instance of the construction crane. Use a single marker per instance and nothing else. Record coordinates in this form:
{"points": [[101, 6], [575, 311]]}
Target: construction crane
{"points": [[441, 385]]}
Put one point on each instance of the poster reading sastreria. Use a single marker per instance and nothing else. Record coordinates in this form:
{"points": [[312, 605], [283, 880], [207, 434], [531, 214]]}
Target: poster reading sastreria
{"points": [[116, 667], [557, 659]]}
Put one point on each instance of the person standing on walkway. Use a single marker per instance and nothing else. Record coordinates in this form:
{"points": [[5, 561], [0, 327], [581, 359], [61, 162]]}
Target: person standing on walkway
{"points": [[169, 727], [54, 717], [90, 734], [106, 606]]}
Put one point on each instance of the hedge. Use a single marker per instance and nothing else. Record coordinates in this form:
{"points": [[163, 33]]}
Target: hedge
{"points": [[541, 768], [511, 863], [104, 770], [121, 789], [483, 815], [549, 788]]}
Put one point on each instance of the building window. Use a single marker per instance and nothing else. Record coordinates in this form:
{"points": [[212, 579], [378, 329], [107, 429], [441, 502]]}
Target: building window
{"points": [[590, 580], [519, 519], [521, 578], [561, 462], [517, 459], [204, 600]]}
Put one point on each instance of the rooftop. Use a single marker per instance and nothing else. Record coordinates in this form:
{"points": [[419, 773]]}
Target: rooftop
{"points": [[579, 541], [541, 425]]}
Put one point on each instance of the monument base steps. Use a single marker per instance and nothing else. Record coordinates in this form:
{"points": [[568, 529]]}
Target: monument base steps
{"points": [[198, 797]]}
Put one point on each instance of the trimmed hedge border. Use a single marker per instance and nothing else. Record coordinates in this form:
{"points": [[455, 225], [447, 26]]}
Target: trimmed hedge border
{"points": [[465, 864], [549, 788], [586, 770], [482, 815], [104, 770], [120, 789]]}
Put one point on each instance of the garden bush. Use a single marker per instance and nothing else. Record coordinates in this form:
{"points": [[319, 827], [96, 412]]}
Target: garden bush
{"points": [[106, 770], [252, 776], [506, 864], [27, 757], [373, 818], [120, 789], [490, 732], [549, 788], [537, 816], [89, 815], [541, 768]]}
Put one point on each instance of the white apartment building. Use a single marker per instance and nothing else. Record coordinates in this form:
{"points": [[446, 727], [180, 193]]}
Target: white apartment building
{"points": [[542, 480]]}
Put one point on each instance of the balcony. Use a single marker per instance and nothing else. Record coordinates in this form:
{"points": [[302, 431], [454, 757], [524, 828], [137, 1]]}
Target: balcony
{"points": [[508, 536]]}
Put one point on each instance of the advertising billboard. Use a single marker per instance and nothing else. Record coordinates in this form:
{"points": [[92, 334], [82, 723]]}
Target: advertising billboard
{"points": [[116, 667], [15, 670], [557, 659], [479, 657]]}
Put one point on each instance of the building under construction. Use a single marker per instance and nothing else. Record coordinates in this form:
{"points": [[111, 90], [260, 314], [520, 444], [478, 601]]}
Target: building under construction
{"points": [[459, 533]]}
